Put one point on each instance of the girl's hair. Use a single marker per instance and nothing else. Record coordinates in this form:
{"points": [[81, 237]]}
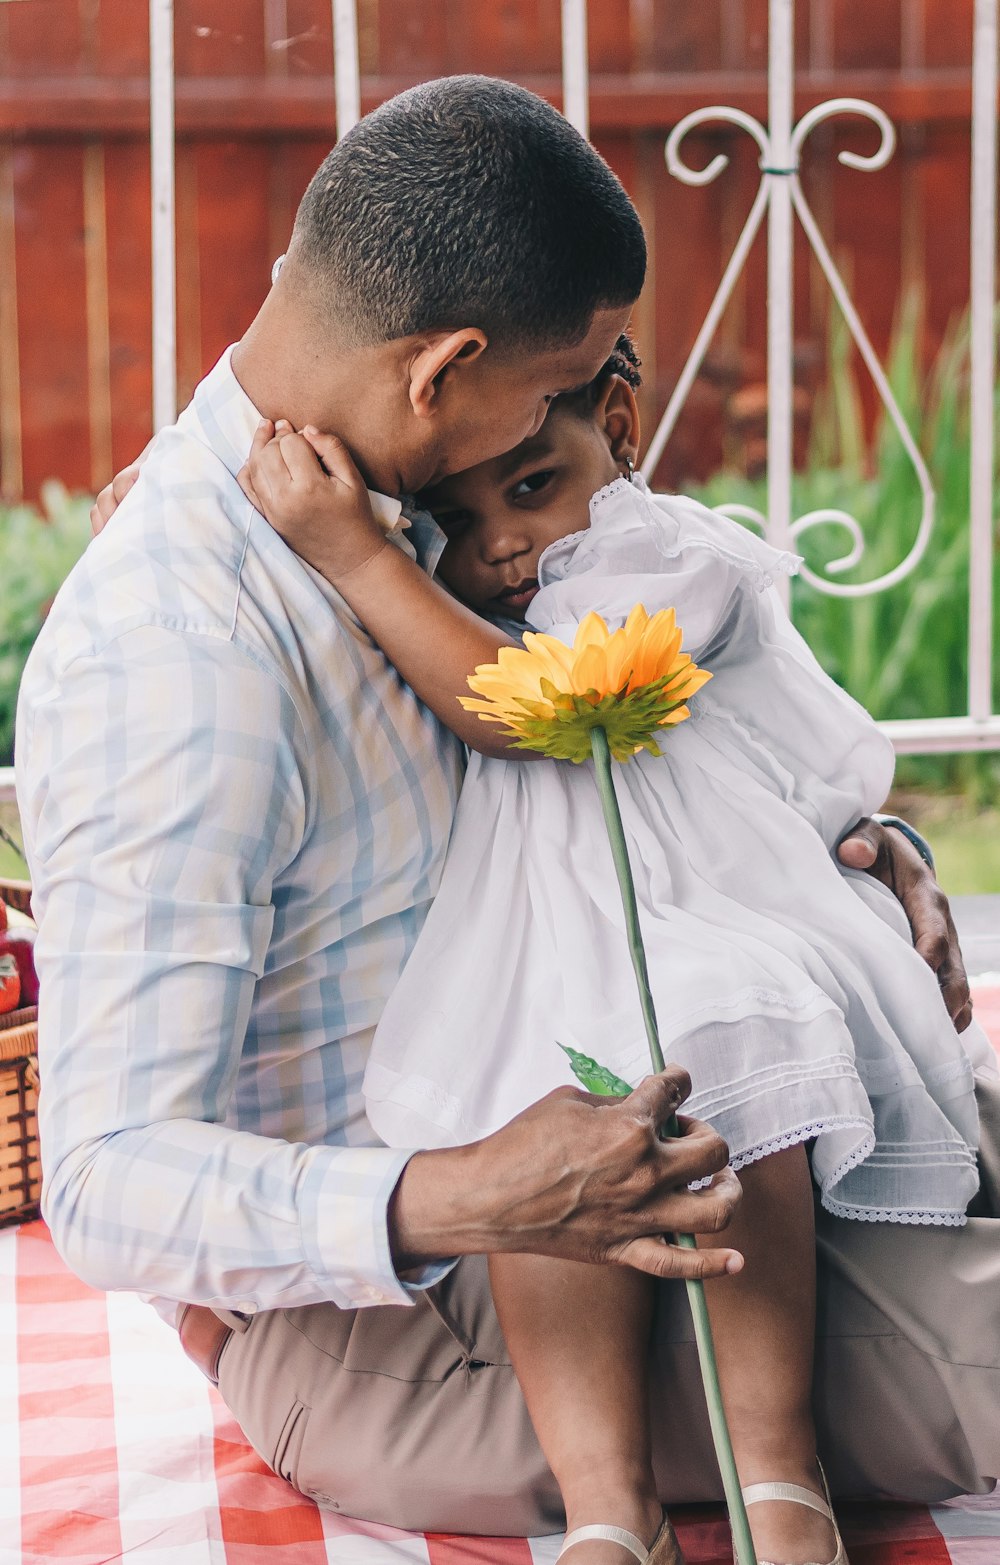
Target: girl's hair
{"points": [[623, 361]]}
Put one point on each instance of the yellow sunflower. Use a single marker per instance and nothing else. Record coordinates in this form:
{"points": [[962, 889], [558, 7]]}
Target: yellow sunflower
{"points": [[630, 682]]}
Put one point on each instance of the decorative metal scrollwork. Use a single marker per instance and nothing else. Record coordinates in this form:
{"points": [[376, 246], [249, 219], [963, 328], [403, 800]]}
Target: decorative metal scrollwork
{"points": [[774, 168]]}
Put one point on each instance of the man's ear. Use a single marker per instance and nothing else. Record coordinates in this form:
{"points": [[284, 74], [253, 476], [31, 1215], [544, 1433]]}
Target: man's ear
{"points": [[618, 413], [436, 357]]}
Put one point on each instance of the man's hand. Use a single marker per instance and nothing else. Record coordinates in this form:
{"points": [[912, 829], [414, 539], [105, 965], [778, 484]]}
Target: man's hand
{"points": [[892, 859], [579, 1177], [310, 491]]}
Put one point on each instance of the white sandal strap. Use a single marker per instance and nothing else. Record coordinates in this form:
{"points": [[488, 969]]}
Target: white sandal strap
{"points": [[786, 1491], [628, 1540]]}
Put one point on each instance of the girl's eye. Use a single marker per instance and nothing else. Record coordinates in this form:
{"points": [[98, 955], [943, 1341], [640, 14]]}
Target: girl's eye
{"points": [[532, 484]]}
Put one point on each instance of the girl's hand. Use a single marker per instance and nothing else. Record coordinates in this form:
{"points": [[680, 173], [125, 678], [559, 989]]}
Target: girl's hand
{"points": [[112, 495], [313, 495], [310, 491]]}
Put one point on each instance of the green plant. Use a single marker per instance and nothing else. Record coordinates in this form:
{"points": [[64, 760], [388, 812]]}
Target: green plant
{"points": [[902, 653], [38, 548]]}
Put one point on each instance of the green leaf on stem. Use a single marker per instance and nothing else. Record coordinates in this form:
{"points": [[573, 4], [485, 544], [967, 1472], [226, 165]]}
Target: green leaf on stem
{"points": [[596, 1078]]}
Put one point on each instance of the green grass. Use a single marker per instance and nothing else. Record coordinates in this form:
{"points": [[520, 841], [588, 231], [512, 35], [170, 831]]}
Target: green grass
{"points": [[967, 854]]}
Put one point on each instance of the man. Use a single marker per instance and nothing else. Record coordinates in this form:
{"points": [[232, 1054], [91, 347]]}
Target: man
{"points": [[236, 816]]}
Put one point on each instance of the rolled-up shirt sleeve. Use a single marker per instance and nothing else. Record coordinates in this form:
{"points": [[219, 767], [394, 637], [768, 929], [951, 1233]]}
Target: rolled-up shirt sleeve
{"points": [[161, 782]]}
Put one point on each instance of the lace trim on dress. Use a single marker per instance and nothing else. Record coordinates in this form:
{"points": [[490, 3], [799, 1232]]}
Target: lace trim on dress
{"points": [[793, 1138], [784, 561], [857, 1214], [882, 1214], [857, 1156], [619, 485]]}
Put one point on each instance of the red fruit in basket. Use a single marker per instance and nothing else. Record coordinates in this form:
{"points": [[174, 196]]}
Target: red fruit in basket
{"points": [[17, 942], [10, 984], [3, 915]]}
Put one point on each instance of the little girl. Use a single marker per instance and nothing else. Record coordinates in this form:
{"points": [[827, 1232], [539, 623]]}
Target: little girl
{"points": [[815, 1036]]}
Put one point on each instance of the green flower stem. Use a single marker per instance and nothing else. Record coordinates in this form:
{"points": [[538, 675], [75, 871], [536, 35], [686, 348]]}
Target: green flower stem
{"points": [[745, 1551], [623, 869]]}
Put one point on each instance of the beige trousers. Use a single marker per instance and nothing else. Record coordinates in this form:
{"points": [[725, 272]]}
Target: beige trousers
{"points": [[414, 1417]]}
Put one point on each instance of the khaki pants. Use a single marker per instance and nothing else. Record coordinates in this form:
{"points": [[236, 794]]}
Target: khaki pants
{"points": [[414, 1417]]}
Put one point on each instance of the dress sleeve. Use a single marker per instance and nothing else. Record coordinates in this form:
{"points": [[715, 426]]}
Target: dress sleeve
{"points": [[161, 784], [826, 755], [663, 551], [834, 762]]}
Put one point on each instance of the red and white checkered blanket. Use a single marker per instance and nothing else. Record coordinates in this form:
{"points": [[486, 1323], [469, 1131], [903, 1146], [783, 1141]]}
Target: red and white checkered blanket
{"points": [[113, 1447]]}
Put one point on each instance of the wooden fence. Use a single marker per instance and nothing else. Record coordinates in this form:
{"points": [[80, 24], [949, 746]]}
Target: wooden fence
{"points": [[255, 115]]}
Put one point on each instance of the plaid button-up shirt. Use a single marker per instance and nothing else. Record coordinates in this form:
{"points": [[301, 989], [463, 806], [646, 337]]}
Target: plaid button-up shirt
{"points": [[236, 816]]}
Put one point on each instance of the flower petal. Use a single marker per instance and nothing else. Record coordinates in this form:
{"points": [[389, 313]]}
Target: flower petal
{"points": [[592, 631], [590, 671], [632, 682]]}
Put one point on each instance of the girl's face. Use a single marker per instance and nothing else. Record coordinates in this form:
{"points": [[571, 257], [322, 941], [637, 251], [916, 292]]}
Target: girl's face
{"points": [[501, 516]]}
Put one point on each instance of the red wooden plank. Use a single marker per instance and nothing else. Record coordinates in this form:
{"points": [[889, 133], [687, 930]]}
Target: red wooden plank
{"points": [[190, 358], [42, 36], [412, 38], [610, 39], [946, 174], [755, 22], [234, 254], [867, 209], [127, 197], [122, 38], [53, 106], [52, 314], [519, 37], [867, 35], [299, 37], [685, 37], [219, 39], [948, 33]]}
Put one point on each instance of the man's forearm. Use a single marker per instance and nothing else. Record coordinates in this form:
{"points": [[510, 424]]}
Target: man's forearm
{"points": [[210, 1215], [441, 1207]]}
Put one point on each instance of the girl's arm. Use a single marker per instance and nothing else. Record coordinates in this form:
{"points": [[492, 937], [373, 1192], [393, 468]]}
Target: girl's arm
{"points": [[323, 512]]}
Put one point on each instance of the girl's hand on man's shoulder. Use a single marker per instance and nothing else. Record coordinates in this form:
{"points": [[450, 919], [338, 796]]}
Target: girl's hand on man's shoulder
{"points": [[307, 487]]}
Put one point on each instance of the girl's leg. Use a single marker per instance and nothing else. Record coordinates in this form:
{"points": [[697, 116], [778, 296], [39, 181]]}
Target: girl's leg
{"points": [[579, 1341], [764, 1322]]}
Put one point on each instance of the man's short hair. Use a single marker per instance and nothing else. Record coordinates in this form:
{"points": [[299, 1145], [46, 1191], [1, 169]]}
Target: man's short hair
{"points": [[468, 201]]}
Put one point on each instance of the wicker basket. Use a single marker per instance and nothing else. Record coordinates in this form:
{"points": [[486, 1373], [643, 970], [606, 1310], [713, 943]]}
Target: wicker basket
{"points": [[20, 1167], [16, 893]]}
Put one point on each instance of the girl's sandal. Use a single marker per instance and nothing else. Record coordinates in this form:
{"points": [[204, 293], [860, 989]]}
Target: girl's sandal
{"points": [[662, 1551], [799, 1496]]}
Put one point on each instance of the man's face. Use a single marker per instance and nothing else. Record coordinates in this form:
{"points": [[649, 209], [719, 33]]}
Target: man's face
{"points": [[495, 403]]}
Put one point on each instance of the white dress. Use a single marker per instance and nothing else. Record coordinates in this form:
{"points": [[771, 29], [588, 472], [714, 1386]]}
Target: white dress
{"points": [[790, 991]]}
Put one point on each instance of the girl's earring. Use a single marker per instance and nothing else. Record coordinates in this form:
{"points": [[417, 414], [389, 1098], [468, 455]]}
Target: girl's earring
{"points": [[629, 468]]}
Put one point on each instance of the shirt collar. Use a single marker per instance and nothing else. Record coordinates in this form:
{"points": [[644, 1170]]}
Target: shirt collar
{"points": [[229, 421]]}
